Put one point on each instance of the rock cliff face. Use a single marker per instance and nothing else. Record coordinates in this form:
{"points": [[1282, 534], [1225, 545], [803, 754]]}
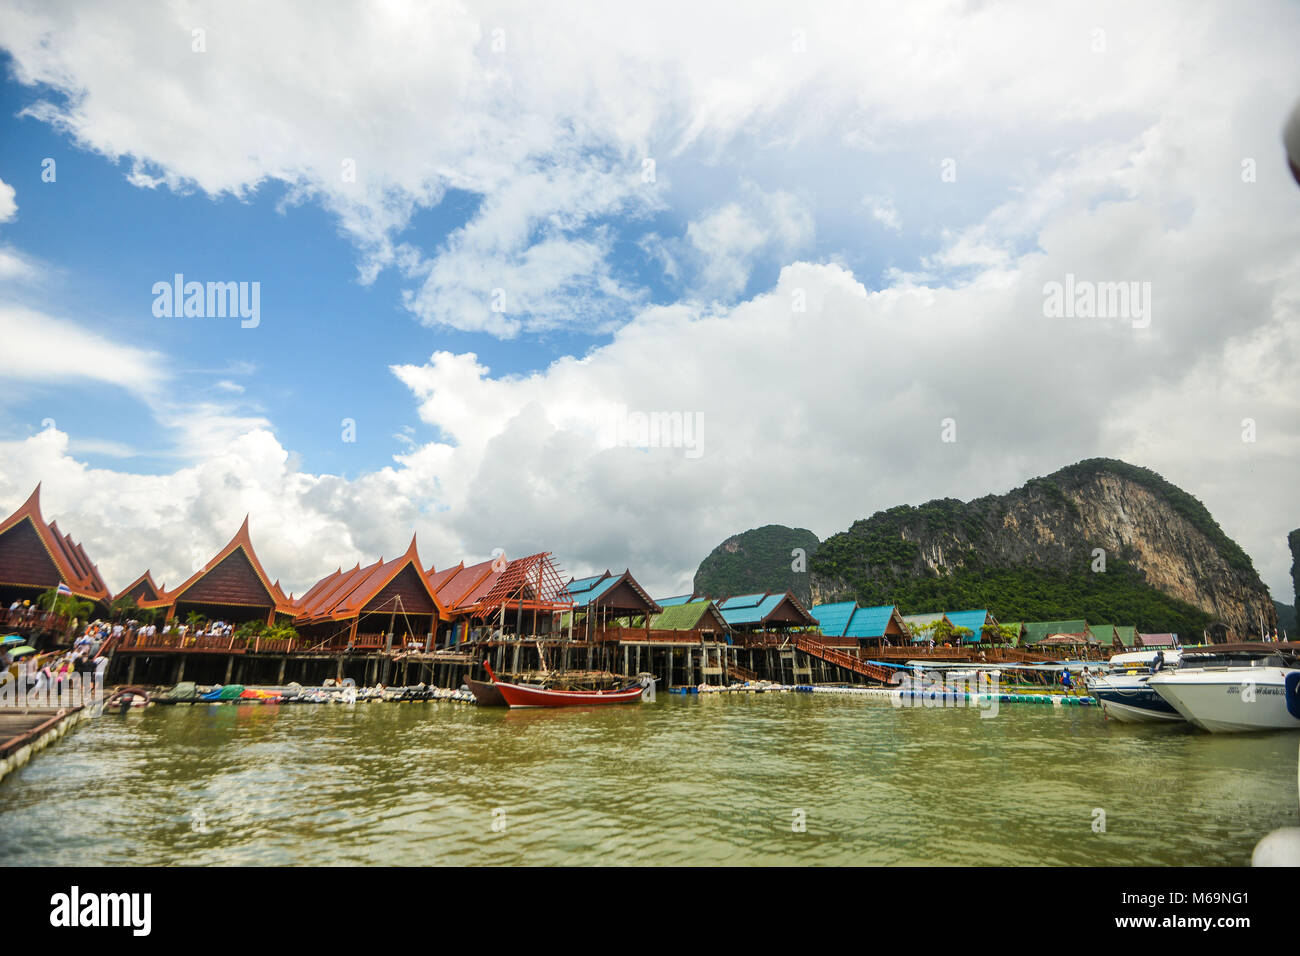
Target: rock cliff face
{"points": [[1098, 514]]}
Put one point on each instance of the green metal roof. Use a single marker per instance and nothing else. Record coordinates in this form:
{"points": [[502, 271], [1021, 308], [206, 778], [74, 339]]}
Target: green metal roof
{"points": [[1035, 631], [680, 617], [1127, 635], [1103, 632]]}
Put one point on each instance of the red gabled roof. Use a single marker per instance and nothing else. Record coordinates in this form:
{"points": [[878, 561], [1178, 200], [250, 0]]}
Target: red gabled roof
{"points": [[437, 579], [343, 595], [454, 592], [77, 571], [241, 541]]}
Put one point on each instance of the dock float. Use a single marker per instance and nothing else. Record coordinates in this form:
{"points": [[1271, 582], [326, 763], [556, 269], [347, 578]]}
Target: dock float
{"points": [[27, 731], [887, 693]]}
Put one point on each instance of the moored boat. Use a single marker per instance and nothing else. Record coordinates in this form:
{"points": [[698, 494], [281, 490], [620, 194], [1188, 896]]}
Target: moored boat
{"points": [[486, 693], [526, 695], [1125, 694], [1234, 699]]}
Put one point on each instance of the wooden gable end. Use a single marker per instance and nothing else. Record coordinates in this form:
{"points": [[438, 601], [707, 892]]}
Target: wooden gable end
{"points": [[784, 613], [623, 597], [24, 560], [410, 587], [233, 581], [142, 591]]}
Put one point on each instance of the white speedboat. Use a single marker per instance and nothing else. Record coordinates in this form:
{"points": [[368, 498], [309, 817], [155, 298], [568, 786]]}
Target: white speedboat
{"points": [[1233, 699], [1124, 693]]}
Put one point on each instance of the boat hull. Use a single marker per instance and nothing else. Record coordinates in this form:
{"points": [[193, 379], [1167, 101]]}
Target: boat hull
{"points": [[486, 694], [517, 695], [1130, 699], [1234, 700]]}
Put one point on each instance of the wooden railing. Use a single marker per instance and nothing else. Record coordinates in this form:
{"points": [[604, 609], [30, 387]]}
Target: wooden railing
{"points": [[20, 620], [273, 645], [744, 673], [657, 636], [817, 649]]}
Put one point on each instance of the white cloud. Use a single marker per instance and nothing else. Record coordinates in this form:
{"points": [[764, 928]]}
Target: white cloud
{"points": [[42, 348], [8, 204], [725, 243], [882, 210], [551, 129]]}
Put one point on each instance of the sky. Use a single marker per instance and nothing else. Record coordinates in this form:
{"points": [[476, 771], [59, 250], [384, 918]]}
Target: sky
{"points": [[489, 242]]}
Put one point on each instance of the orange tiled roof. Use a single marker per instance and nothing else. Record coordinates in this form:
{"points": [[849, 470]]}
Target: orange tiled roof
{"points": [[344, 594], [454, 592], [76, 570]]}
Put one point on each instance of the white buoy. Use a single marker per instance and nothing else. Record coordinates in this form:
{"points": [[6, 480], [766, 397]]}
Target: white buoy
{"points": [[1279, 848], [1282, 846], [1291, 140]]}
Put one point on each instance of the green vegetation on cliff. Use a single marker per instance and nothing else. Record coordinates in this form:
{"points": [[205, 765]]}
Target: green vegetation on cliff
{"points": [[1293, 539], [1038, 594], [757, 560]]}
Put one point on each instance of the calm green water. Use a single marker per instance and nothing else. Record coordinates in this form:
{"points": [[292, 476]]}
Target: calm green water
{"points": [[684, 780]]}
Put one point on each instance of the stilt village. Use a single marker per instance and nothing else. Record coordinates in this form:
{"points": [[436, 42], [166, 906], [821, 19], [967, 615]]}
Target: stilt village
{"points": [[398, 622]]}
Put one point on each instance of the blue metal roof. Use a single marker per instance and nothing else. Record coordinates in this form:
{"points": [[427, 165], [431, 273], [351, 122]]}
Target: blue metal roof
{"points": [[833, 618], [743, 600], [869, 621], [579, 585], [674, 601], [975, 620], [593, 592], [751, 614]]}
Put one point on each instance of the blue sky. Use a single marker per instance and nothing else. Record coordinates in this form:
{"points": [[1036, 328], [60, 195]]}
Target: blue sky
{"points": [[799, 157]]}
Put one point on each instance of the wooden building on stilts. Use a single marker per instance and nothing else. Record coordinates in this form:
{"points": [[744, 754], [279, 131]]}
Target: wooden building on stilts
{"points": [[386, 604], [606, 600]]}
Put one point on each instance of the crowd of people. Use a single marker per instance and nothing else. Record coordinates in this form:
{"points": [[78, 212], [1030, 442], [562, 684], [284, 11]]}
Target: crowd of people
{"points": [[51, 672]]}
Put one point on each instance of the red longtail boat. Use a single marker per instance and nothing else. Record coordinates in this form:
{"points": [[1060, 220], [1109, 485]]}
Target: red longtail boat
{"points": [[522, 695]]}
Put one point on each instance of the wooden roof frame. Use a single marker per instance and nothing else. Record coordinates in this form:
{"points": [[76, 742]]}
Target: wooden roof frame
{"points": [[549, 584]]}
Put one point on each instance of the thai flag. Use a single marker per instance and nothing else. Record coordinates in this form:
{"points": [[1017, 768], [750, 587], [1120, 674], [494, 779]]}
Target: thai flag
{"points": [[64, 589]]}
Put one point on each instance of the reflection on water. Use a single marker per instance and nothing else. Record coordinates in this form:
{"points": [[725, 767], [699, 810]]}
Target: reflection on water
{"points": [[684, 780]]}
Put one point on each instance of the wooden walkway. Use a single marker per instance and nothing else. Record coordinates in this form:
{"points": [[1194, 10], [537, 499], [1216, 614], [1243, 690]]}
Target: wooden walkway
{"points": [[27, 730]]}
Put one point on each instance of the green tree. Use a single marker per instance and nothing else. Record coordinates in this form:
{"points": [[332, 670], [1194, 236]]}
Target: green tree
{"points": [[123, 607]]}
